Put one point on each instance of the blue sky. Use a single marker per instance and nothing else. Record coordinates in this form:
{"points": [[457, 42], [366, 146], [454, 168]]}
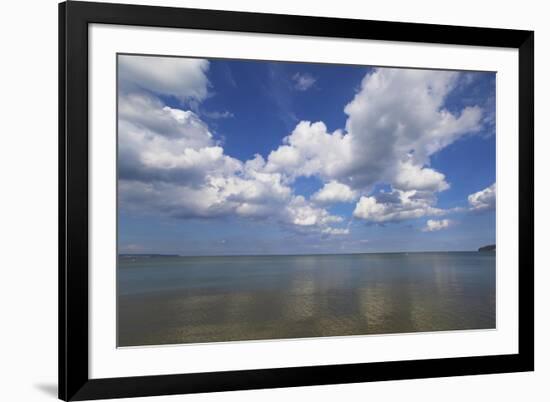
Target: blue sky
{"points": [[222, 157]]}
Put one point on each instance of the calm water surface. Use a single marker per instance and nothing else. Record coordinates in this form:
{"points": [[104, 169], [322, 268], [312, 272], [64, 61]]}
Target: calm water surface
{"points": [[166, 300]]}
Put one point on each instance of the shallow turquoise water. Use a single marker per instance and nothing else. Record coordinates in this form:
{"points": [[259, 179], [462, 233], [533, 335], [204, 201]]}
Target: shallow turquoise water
{"points": [[166, 300]]}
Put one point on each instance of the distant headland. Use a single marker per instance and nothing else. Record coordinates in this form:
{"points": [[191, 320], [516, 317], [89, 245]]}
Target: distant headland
{"points": [[490, 247]]}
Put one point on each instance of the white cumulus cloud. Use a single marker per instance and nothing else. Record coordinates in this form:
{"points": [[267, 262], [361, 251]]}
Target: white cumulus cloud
{"points": [[395, 123], [433, 225], [414, 177], [170, 162], [159, 143], [310, 150], [184, 78], [396, 206], [334, 191], [483, 200], [398, 120], [302, 213]]}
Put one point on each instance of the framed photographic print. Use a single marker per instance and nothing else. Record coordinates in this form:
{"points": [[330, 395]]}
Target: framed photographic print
{"points": [[256, 200]]}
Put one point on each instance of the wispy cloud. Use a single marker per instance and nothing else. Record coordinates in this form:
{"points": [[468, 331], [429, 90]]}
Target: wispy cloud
{"points": [[303, 81], [218, 115], [280, 92], [131, 248]]}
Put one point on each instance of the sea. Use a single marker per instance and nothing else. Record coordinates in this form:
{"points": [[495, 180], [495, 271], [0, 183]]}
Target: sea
{"points": [[174, 300]]}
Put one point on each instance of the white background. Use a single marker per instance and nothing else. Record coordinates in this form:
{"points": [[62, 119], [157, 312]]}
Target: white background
{"points": [[28, 201]]}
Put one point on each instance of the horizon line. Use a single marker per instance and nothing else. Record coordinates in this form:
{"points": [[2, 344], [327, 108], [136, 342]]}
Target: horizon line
{"points": [[296, 254]]}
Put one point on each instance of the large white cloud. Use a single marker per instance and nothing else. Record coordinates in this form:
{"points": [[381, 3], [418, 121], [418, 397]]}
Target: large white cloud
{"points": [[311, 150], [398, 120], [184, 78], [414, 177], [150, 114], [235, 196], [216, 196], [395, 123], [483, 200], [157, 142], [302, 213], [334, 191], [169, 161], [396, 206]]}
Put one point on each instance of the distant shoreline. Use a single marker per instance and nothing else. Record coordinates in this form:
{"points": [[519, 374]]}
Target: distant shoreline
{"points": [[490, 247], [125, 255], [148, 255]]}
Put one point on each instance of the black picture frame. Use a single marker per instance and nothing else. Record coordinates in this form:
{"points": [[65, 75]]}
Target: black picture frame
{"points": [[74, 381]]}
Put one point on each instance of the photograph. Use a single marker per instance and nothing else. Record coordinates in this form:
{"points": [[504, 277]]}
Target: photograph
{"points": [[269, 200]]}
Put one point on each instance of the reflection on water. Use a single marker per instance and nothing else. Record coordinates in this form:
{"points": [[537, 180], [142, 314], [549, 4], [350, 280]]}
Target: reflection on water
{"points": [[166, 300]]}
